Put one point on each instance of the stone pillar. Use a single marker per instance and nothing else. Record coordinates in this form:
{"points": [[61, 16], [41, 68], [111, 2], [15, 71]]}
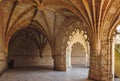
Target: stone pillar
{"points": [[59, 58], [86, 60], [3, 61], [68, 58], [60, 63], [101, 61], [62, 56], [3, 57], [94, 72], [3, 53], [106, 60]]}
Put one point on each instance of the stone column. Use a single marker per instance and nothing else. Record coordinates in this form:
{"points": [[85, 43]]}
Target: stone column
{"points": [[62, 57], [86, 60], [3, 61], [59, 58], [101, 61], [60, 63], [3, 54], [106, 60], [68, 58], [94, 72]]}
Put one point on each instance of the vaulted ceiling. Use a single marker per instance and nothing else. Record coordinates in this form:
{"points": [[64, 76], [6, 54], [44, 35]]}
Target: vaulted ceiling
{"points": [[49, 16], [30, 34]]}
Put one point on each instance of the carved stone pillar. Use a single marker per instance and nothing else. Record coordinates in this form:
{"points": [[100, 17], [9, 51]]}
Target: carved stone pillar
{"points": [[94, 72], [106, 60], [101, 61]]}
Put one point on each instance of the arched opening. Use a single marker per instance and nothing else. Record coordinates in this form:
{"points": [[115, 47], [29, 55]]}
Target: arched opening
{"points": [[77, 51], [79, 57], [116, 54], [29, 48]]}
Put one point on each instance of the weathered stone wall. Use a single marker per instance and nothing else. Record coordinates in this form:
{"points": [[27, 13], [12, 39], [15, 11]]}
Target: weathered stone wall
{"points": [[78, 55], [3, 62], [26, 53]]}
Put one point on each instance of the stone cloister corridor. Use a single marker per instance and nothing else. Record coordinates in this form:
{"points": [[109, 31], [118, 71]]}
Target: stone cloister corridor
{"points": [[25, 74], [78, 39]]}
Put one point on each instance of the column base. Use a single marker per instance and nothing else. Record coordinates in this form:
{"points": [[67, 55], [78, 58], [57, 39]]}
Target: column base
{"points": [[69, 68], [59, 69]]}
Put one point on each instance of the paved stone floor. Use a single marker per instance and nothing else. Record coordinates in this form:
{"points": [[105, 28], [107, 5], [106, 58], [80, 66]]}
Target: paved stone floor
{"points": [[37, 74], [117, 79]]}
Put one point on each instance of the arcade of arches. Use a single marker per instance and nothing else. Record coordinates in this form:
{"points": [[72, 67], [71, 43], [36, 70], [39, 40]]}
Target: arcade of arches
{"points": [[60, 34]]}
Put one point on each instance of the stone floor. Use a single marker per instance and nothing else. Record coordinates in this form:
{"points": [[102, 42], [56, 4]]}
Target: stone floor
{"points": [[117, 79], [37, 74]]}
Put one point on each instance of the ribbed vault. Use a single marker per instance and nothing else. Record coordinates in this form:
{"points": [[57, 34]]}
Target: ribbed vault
{"points": [[32, 34], [45, 14], [99, 18]]}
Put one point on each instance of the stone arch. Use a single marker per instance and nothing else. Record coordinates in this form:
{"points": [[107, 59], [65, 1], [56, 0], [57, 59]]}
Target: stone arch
{"points": [[36, 42], [113, 29], [111, 44], [19, 28], [106, 48], [29, 29], [61, 42], [66, 31], [77, 35]]}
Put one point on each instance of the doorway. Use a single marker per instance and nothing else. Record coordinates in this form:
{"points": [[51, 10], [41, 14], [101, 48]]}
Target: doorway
{"points": [[116, 54], [79, 57], [77, 52]]}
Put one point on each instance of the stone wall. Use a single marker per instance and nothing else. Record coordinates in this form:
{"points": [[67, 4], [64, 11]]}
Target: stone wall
{"points": [[79, 56], [3, 62], [26, 53]]}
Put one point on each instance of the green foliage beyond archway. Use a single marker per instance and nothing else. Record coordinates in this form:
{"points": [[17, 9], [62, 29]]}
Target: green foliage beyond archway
{"points": [[117, 61]]}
